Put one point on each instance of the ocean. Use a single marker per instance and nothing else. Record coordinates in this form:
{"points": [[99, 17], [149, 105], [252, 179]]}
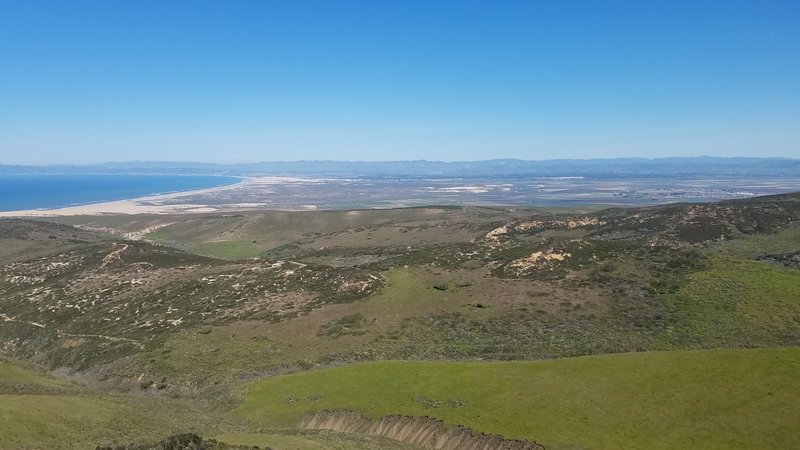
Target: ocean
{"points": [[56, 191]]}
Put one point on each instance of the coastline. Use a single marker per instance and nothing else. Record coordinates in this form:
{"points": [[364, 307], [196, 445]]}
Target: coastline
{"points": [[149, 204], [287, 193]]}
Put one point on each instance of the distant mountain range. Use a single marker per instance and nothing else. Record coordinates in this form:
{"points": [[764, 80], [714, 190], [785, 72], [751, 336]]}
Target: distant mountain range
{"points": [[619, 167]]}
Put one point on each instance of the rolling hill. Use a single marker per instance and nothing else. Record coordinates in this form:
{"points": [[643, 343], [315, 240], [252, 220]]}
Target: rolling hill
{"points": [[187, 310]]}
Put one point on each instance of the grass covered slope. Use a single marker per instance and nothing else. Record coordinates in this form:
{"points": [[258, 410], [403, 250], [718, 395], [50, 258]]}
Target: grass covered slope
{"points": [[737, 303], [14, 378], [40, 412], [59, 421], [36, 410], [688, 399], [166, 338]]}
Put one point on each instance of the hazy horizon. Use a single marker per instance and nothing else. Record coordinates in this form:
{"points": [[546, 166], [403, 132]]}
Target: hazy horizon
{"points": [[400, 161]]}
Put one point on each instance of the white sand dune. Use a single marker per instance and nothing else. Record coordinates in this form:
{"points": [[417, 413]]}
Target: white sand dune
{"points": [[155, 204]]}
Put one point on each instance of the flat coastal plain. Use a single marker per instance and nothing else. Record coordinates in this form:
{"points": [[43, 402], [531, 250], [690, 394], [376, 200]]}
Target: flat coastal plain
{"points": [[326, 193]]}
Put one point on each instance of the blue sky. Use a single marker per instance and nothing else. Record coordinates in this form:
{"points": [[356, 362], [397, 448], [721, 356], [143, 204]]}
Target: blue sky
{"points": [[240, 81]]}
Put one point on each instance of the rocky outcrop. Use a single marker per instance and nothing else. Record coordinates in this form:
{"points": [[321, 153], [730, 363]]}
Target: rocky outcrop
{"points": [[423, 432]]}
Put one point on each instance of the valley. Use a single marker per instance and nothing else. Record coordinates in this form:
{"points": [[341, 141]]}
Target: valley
{"points": [[555, 327]]}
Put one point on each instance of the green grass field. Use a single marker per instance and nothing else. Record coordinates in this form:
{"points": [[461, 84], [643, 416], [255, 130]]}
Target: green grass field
{"points": [[54, 413], [689, 399], [737, 303], [56, 421], [753, 245], [41, 412], [14, 375], [227, 249]]}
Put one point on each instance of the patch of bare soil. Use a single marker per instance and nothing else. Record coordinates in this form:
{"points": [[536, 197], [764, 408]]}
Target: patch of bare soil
{"points": [[424, 432]]}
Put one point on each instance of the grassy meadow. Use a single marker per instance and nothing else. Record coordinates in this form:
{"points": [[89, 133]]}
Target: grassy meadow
{"points": [[38, 411], [687, 399]]}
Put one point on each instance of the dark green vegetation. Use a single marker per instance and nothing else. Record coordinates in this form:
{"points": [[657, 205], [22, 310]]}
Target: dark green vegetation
{"points": [[205, 303], [184, 441]]}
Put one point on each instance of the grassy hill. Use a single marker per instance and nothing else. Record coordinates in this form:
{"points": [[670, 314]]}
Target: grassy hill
{"points": [[177, 312], [39, 411], [703, 399], [421, 283]]}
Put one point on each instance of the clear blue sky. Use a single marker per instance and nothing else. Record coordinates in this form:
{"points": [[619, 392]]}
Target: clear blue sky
{"points": [[240, 81]]}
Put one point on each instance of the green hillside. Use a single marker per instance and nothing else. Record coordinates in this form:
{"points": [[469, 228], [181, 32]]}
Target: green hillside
{"points": [[697, 399]]}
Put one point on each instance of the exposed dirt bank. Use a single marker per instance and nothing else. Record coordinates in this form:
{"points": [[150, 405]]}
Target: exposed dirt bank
{"points": [[423, 432]]}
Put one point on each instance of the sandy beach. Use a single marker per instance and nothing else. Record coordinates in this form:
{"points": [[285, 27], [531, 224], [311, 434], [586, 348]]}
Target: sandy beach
{"points": [[172, 203], [304, 194]]}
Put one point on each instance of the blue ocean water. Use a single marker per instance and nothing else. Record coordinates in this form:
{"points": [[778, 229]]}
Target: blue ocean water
{"points": [[56, 191]]}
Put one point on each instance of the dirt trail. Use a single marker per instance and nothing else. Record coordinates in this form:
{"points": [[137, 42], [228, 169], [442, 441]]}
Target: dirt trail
{"points": [[102, 336], [423, 432], [7, 318]]}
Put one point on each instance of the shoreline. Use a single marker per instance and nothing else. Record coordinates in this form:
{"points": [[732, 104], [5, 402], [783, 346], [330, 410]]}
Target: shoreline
{"points": [[288, 193], [148, 204]]}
